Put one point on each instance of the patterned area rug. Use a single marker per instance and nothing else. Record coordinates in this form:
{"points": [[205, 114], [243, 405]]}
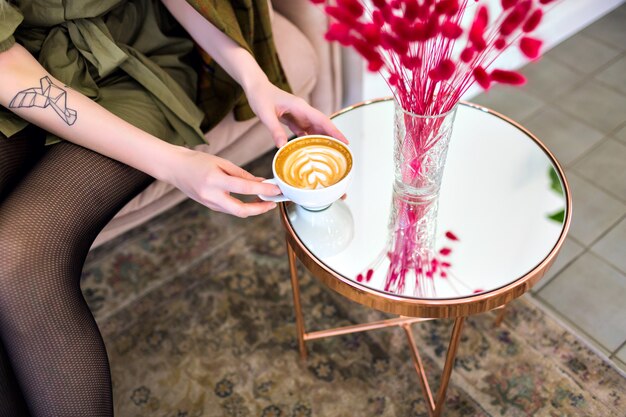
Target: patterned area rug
{"points": [[196, 312]]}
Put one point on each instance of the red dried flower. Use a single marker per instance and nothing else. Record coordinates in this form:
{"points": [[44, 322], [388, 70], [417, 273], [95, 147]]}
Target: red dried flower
{"points": [[370, 273], [339, 32], [467, 54], [507, 4], [443, 71], [451, 30], [411, 9], [477, 30], [447, 7], [507, 77], [500, 43], [377, 18], [402, 28], [394, 79], [371, 33], [390, 42], [451, 235], [530, 47], [515, 18], [545, 1], [375, 65], [411, 62], [482, 78], [379, 3], [445, 251], [342, 15], [533, 21], [354, 7]]}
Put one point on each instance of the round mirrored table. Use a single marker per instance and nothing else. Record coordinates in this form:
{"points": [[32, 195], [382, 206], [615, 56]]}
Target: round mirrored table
{"points": [[503, 213]]}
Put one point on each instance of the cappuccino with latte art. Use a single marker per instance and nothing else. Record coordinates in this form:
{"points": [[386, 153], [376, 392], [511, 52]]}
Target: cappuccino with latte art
{"points": [[313, 162], [312, 171]]}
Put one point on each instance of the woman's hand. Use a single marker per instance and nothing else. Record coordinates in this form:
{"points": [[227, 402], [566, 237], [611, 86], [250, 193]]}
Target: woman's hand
{"points": [[273, 105], [209, 180]]}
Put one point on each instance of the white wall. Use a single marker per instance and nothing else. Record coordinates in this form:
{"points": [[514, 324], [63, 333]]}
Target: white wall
{"points": [[562, 20]]}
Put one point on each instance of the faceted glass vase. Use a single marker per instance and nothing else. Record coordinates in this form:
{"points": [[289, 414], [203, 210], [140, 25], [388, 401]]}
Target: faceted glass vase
{"points": [[420, 149]]}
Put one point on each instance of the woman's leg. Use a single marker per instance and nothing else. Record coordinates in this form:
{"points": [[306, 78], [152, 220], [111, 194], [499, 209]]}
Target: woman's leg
{"points": [[47, 224], [17, 155]]}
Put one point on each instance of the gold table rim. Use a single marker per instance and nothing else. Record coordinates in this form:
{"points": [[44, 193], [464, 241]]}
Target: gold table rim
{"points": [[433, 308]]}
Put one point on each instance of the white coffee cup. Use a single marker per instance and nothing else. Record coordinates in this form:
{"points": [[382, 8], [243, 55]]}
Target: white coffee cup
{"points": [[311, 199]]}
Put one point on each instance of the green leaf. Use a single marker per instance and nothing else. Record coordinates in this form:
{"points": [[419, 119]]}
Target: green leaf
{"points": [[558, 216], [555, 182]]}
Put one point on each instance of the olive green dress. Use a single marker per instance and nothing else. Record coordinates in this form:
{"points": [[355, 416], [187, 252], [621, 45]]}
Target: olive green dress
{"points": [[133, 58]]}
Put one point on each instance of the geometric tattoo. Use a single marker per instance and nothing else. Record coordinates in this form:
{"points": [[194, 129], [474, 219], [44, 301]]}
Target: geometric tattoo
{"points": [[48, 94]]}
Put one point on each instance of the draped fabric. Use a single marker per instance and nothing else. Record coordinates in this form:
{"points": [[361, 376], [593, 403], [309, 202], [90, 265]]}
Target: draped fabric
{"points": [[134, 59]]}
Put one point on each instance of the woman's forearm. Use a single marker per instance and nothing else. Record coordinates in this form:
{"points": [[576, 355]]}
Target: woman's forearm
{"points": [[30, 92], [234, 59]]}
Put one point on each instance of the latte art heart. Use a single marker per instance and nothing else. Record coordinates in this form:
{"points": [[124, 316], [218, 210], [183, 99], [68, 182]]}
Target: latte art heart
{"points": [[314, 166]]}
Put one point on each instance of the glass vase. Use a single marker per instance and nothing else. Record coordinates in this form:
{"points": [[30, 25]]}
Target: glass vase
{"points": [[420, 149]]}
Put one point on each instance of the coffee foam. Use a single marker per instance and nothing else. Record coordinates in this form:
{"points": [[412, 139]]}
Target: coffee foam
{"points": [[313, 163]]}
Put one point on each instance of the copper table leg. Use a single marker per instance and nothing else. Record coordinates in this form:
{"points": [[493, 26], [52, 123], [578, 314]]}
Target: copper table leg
{"points": [[434, 405], [295, 287], [500, 315]]}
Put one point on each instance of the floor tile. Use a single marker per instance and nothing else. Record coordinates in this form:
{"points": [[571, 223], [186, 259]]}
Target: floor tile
{"points": [[614, 75], [610, 29], [596, 104], [612, 246], [621, 354], [605, 166], [583, 53], [594, 211], [590, 294], [570, 251], [510, 101], [567, 137], [620, 134], [549, 78]]}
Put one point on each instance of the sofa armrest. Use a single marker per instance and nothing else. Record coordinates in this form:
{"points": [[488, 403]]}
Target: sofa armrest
{"points": [[311, 20]]}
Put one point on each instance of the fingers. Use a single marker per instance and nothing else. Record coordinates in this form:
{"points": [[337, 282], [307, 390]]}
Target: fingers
{"points": [[237, 208], [244, 186], [270, 120], [235, 171], [309, 120]]}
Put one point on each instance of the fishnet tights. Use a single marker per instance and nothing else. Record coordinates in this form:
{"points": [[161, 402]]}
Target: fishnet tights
{"points": [[53, 203]]}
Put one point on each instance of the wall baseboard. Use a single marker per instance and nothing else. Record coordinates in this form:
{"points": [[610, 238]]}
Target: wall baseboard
{"points": [[562, 20]]}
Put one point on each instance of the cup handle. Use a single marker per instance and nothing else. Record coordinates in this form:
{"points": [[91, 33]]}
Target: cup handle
{"points": [[275, 198]]}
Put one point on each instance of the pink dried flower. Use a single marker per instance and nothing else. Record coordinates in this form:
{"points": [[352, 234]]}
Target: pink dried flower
{"points": [[445, 251], [451, 30], [341, 14], [477, 31], [411, 9], [533, 21], [354, 7], [507, 77], [467, 54], [482, 78], [507, 4], [339, 32], [443, 71], [530, 47], [515, 18]]}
